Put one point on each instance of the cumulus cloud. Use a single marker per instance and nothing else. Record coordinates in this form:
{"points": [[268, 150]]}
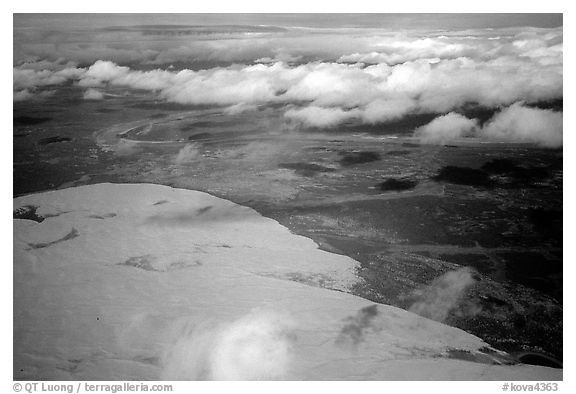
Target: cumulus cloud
{"points": [[249, 44], [443, 295], [22, 95], [417, 85], [28, 78], [397, 50], [519, 123], [29, 94], [187, 154], [382, 110], [126, 147], [255, 347], [93, 94], [333, 76], [446, 128]]}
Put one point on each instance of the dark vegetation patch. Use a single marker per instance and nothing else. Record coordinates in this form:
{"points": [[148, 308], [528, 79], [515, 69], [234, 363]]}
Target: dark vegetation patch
{"points": [[104, 216], [404, 125], [149, 262], [523, 324], [515, 175], [306, 169], [539, 359], [478, 261], [547, 222], [466, 355], [556, 164], [353, 158], [535, 271], [318, 149], [398, 153], [106, 110], [203, 210], [53, 140], [27, 212], [502, 173], [29, 120], [165, 106], [199, 136], [317, 280], [71, 235], [463, 176], [397, 184], [500, 166], [211, 123], [488, 301], [199, 125]]}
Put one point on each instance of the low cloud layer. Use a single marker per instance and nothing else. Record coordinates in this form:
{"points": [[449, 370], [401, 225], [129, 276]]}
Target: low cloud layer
{"points": [[187, 154], [446, 128], [232, 43], [516, 123], [331, 77], [519, 123], [93, 94]]}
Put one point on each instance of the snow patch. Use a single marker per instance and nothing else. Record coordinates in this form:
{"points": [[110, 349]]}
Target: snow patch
{"points": [[182, 291]]}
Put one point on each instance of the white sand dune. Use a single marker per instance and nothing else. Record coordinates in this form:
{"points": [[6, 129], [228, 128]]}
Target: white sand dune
{"points": [[149, 282]]}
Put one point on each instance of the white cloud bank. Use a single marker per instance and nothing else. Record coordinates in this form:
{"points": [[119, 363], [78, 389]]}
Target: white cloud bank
{"points": [[516, 123], [446, 128], [380, 92], [390, 76], [187, 154], [519, 123], [93, 94]]}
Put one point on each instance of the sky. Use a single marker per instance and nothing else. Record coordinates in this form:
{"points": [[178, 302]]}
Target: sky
{"points": [[385, 21]]}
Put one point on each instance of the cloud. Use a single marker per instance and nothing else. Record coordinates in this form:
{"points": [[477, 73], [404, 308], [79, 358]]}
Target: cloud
{"points": [[250, 44], [519, 123], [382, 110], [399, 50], [443, 295], [93, 94], [101, 72], [314, 77], [446, 128], [187, 154], [126, 147], [22, 95], [380, 92], [29, 94], [255, 347], [27, 78]]}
